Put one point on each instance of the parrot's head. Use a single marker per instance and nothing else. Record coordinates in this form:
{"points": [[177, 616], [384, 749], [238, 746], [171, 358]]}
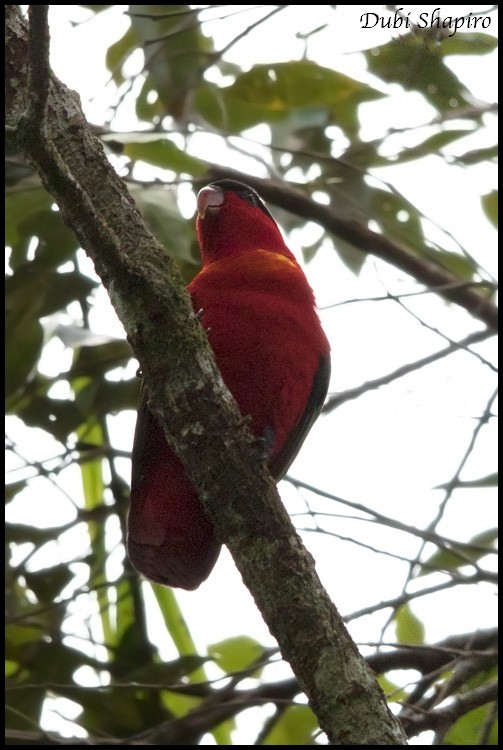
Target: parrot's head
{"points": [[233, 219]]}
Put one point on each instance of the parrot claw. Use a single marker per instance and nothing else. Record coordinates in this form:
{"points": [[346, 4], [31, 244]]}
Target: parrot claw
{"points": [[198, 316]]}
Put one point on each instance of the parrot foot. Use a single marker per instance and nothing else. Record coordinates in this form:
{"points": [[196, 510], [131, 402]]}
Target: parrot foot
{"points": [[198, 316]]}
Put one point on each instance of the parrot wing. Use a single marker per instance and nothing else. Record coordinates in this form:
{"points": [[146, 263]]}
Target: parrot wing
{"points": [[280, 464]]}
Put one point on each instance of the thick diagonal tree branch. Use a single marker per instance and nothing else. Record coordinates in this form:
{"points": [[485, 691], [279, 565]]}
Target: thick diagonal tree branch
{"points": [[198, 415]]}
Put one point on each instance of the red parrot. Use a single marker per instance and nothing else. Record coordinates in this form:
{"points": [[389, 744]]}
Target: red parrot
{"points": [[259, 313]]}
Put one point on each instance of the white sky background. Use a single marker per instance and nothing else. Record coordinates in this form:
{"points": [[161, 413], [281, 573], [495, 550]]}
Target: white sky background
{"points": [[391, 447]]}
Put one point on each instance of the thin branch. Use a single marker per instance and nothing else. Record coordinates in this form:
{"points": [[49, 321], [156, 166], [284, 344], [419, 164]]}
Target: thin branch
{"points": [[492, 718], [169, 14], [356, 542], [422, 658], [443, 718], [195, 25], [420, 293], [454, 481], [246, 31], [408, 596], [436, 330], [482, 645], [428, 535], [211, 56], [335, 401]]}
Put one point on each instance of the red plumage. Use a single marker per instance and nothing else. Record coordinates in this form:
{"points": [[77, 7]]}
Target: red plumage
{"points": [[259, 311]]}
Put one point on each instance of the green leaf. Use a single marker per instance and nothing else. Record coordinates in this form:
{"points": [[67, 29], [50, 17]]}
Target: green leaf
{"points": [[418, 66], [479, 154], [491, 480], [112, 397], [19, 636], [302, 130], [24, 338], [392, 692], [118, 53], [460, 265], [178, 704], [23, 707], [57, 243], [165, 154], [33, 290], [459, 555], [236, 653], [176, 51], [47, 584], [57, 417], [282, 86], [19, 206], [161, 212], [269, 93], [397, 218], [126, 713], [179, 632], [295, 727], [468, 43], [409, 629], [132, 652], [40, 292], [64, 288], [490, 206], [56, 662], [369, 154], [351, 256], [309, 251], [99, 359], [471, 727], [12, 489], [429, 146]]}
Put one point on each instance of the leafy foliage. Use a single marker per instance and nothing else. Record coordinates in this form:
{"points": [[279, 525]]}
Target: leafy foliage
{"points": [[77, 622]]}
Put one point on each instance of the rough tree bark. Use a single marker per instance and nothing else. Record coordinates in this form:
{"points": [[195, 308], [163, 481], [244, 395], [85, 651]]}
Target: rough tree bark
{"points": [[199, 416]]}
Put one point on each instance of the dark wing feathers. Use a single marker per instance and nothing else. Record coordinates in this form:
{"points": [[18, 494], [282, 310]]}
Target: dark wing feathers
{"points": [[281, 463]]}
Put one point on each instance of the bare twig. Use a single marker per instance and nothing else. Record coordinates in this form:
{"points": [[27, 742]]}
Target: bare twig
{"points": [[334, 401], [427, 535], [454, 480], [408, 596]]}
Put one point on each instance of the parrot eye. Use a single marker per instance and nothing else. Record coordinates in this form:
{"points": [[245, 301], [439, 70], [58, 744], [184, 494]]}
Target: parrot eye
{"points": [[245, 192]]}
